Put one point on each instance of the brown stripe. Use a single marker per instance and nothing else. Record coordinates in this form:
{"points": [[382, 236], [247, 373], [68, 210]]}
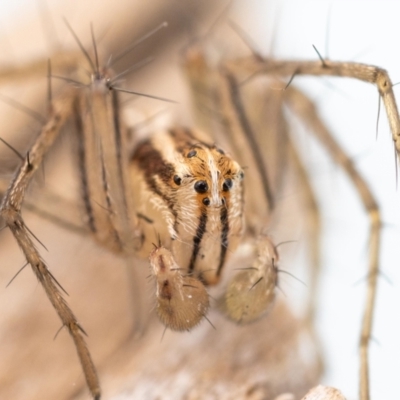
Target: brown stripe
{"points": [[82, 168], [150, 161], [118, 143], [224, 238], [197, 240], [109, 204], [248, 131], [157, 190]]}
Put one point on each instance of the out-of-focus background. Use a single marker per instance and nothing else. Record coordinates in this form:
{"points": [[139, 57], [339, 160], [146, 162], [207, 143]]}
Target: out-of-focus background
{"points": [[362, 31]]}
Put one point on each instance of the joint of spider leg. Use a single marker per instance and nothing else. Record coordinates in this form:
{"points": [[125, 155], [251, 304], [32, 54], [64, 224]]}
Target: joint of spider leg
{"points": [[383, 82], [364, 340]]}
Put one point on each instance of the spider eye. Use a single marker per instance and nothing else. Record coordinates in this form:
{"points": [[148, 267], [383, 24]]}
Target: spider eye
{"points": [[177, 180], [201, 186], [191, 153], [227, 185], [206, 201]]}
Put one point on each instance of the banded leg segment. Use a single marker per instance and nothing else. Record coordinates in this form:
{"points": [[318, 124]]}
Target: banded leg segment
{"points": [[10, 210], [251, 66]]}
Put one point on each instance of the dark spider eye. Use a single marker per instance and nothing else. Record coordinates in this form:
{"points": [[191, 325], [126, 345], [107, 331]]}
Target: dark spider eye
{"points": [[177, 179], [201, 186], [227, 185], [220, 151], [191, 153], [241, 174], [206, 201]]}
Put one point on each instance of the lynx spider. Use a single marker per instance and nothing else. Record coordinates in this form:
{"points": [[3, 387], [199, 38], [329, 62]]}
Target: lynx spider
{"points": [[83, 323]]}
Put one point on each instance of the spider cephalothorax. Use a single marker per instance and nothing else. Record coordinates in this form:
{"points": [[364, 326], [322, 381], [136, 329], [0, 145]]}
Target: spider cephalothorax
{"points": [[192, 193]]}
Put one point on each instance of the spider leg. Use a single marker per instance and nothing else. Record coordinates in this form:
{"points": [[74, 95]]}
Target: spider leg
{"points": [[221, 91], [10, 210], [363, 72], [303, 107]]}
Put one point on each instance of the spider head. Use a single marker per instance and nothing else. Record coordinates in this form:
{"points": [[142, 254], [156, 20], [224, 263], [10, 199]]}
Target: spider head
{"points": [[215, 177]]}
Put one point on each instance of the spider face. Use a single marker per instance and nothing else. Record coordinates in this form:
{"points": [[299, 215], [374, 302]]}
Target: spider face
{"points": [[193, 192]]}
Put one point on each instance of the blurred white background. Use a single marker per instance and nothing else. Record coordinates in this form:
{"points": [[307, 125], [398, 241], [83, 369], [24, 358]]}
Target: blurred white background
{"points": [[362, 31]]}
